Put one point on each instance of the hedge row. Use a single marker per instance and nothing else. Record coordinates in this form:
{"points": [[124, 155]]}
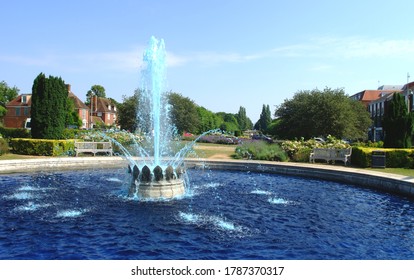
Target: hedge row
{"points": [[42, 147], [400, 158], [7, 132]]}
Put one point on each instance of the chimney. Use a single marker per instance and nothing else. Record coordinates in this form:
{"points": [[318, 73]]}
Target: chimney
{"points": [[95, 102], [68, 87]]}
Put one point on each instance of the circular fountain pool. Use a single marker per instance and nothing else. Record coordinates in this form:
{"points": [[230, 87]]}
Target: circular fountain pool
{"points": [[225, 215]]}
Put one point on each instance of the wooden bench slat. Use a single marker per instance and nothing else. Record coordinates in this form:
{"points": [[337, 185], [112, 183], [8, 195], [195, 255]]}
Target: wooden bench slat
{"points": [[330, 154], [93, 147]]}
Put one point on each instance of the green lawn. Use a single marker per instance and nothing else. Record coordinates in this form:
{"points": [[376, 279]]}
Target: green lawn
{"points": [[399, 171]]}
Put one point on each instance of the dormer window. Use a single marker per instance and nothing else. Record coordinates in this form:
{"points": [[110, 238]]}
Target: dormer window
{"points": [[24, 98], [114, 108], [109, 107]]}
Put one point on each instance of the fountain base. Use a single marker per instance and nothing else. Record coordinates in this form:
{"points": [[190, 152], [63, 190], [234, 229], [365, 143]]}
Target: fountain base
{"points": [[162, 189], [157, 184]]}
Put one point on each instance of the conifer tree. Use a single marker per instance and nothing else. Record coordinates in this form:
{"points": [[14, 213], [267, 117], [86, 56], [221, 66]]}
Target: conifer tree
{"points": [[398, 123], [48, 110], [265, 119]]}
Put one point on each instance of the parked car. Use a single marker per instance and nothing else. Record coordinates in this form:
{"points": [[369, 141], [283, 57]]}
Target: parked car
{"points": [[262, 137], [319, 139]]}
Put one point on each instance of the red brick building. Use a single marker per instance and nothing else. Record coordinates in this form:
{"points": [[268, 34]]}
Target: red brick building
{"points": [[103, 110], [18, 111]]}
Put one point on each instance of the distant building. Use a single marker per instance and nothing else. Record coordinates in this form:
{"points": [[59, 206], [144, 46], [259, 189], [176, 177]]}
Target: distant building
{"points": [[19, 110], [81, 108], [377, 108], [104, 111], [368, 96]]}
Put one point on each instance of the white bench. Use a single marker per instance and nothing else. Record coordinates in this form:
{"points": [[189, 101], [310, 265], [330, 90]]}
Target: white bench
{"points": [[331, 155], [93, 147]]}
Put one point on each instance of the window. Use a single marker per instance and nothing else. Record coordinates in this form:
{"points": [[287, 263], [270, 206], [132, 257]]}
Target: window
{"points": [[18, 111], [109, 107], [109, 116], [24, 99], [26, 111], [114, 108]]}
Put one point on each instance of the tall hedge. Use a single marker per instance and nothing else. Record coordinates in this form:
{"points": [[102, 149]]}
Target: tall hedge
{"points": [[48, 110], [394, 158], [42, 147]]}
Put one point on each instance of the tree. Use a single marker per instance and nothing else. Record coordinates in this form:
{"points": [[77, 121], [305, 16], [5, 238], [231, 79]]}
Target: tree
{"points": [[265, 119], [7, 94], [207, 120], [72, 117], [97, 90], [183, 113], [49, 108], [127, 112], [398, 123], [244, 122], [320, 113], [229, 123]]}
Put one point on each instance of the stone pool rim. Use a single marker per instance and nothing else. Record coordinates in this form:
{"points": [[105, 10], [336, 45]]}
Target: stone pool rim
{"points": [[392, 183]]}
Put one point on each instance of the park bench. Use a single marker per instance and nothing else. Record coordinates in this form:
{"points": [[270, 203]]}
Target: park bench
{"points": [[331, 155], [93, 147]]}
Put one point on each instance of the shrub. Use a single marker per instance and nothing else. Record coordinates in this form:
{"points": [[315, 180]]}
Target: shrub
{"points": [[299, 150], [394, 158], [42, 147], [14, 132], [4, 146], [260, 150]]}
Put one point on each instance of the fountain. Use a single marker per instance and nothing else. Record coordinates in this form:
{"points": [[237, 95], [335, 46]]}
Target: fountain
{"points": [[156, 175], [245, 214]]}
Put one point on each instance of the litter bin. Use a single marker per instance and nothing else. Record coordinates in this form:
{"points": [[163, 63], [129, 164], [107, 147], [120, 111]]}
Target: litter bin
{"points": [[378, 159]]}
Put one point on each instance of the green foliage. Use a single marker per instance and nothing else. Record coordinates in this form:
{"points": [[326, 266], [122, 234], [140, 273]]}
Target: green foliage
{"points": [[398, 124], [14, 132], [42, 147], [394, 158], [260, 150], [207, 120], [48, 110], [72, 117], [7, 94], [127, 112], [183, 112], [369, 144], [228, 122], [4, 146], [265, 119], [318, 113], [244, 122], [299, 150], [97, 90]]}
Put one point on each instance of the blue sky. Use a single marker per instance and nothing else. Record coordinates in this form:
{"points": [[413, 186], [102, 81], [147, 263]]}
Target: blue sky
{"points": [[222, 54]]}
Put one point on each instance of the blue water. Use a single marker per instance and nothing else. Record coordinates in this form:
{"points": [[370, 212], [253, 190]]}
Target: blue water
{"points": [[226, 215]]}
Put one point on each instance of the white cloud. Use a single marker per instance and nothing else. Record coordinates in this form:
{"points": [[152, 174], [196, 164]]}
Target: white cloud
{"points": [[317, 47]]}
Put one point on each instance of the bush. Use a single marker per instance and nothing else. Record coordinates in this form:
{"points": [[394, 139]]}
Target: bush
{"points": [[394, 158], [42, 147], [4, 146], [299, 150], [260, 150], [14, 132]]}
